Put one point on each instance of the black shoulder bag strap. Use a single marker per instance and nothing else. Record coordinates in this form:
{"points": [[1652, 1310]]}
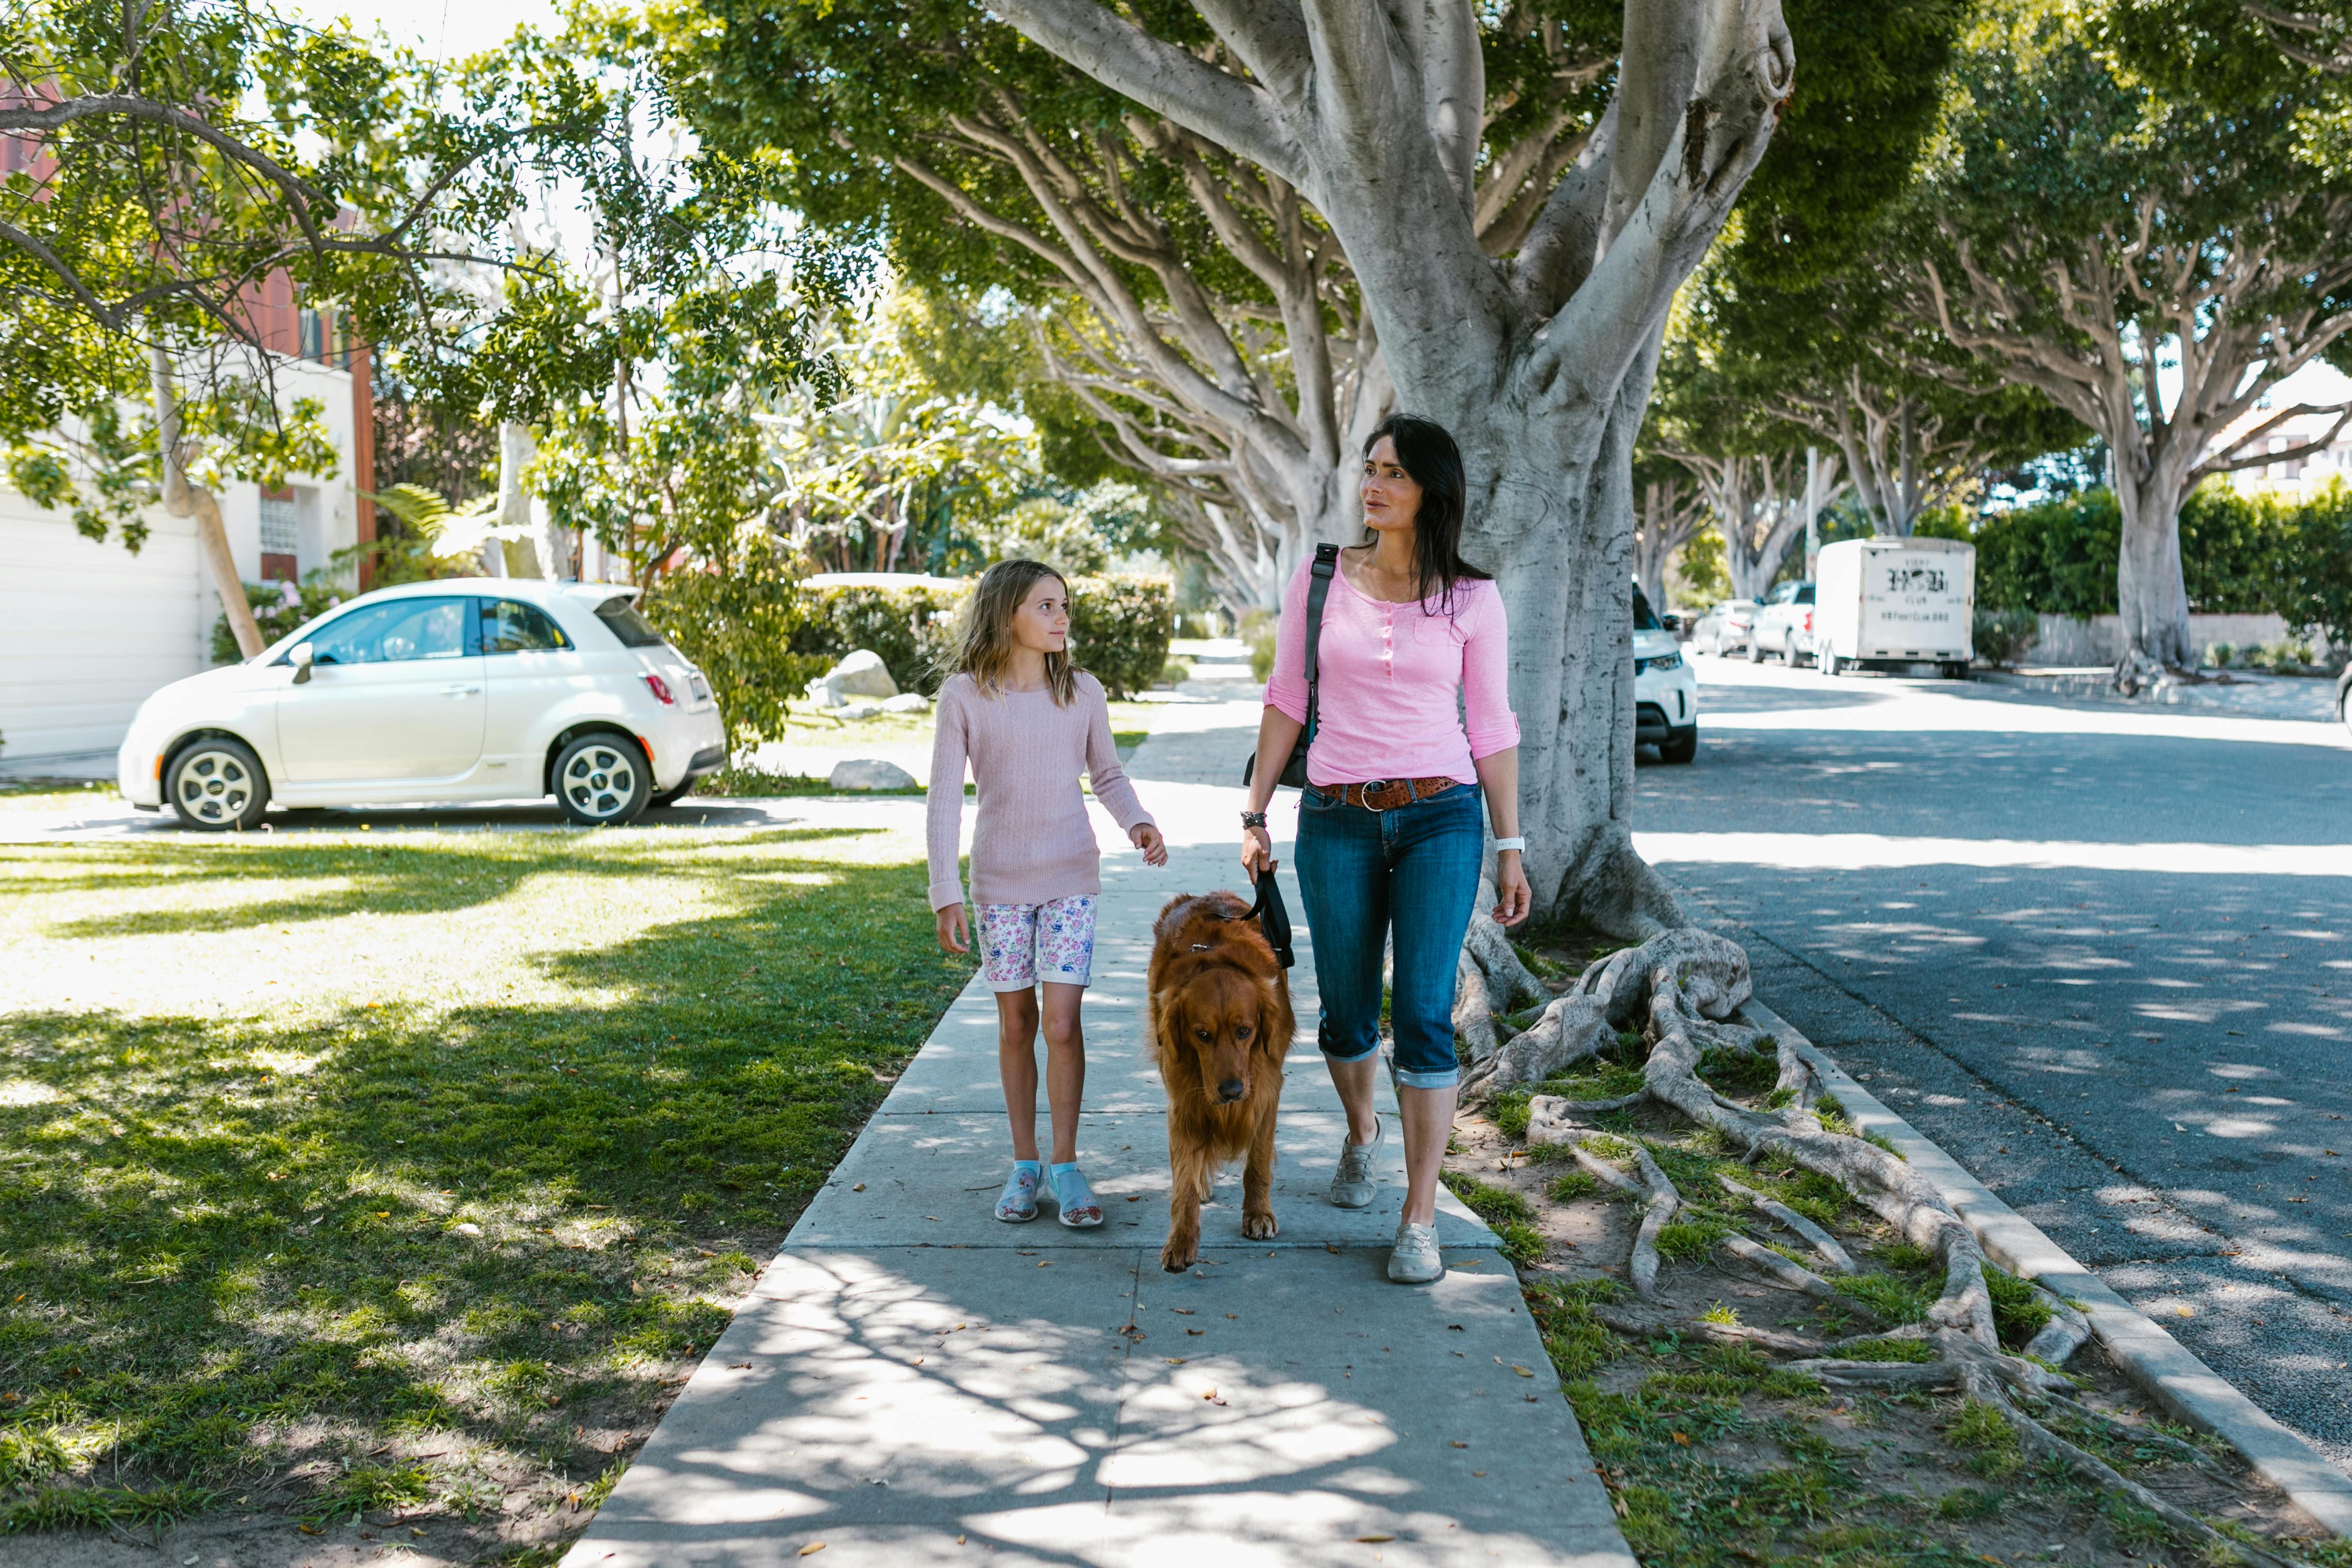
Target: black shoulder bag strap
{"points": [[1294, 773]]}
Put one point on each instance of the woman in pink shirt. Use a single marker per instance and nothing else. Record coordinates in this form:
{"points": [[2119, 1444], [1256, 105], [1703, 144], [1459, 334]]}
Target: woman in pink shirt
{"points": [[1029, 723], [1413, 729]]}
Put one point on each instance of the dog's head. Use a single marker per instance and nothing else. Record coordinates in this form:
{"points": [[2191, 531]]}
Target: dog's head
{"points": [[1218, 1024]]}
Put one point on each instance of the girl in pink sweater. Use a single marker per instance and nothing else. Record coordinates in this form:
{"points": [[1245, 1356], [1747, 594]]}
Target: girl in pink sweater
{"points": [[1029, 724]]}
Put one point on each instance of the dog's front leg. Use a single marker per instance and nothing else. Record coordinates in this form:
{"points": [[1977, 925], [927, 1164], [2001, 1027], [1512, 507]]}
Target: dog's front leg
{"points": [[1257, 1173], [1188, 1174]]}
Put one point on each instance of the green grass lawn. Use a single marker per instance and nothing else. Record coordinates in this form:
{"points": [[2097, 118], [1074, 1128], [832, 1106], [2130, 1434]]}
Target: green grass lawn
{"points": [[348, 1174]]}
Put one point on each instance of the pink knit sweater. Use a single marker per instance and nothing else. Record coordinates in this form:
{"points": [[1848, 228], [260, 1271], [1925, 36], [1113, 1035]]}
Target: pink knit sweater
{"points": [[1389, 674], [1032, 841]]}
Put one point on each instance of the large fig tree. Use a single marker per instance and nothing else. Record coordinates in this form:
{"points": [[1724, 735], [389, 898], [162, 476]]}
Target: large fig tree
{"points": [[1533, 340]]}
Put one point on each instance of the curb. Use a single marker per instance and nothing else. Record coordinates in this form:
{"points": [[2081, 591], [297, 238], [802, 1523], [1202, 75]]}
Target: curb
{"points": [[2164, 1368]]}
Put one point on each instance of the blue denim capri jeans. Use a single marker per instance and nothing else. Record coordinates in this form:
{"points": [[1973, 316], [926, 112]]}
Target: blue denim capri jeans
{"points": [[1361, 872]]}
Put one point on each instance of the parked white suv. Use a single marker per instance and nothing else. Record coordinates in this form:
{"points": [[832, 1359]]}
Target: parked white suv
{"points": [[1785, 625], [464, 689], [1665, 691]]}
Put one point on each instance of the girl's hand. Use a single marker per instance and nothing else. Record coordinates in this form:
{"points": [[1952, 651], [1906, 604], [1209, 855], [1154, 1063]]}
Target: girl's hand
{"points": [[1146, 837], [1258, 852], [1512, 897], [954, 935]]}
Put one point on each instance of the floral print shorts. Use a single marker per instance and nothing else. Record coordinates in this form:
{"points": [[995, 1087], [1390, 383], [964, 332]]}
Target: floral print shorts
{"points": [[1022, 944]]}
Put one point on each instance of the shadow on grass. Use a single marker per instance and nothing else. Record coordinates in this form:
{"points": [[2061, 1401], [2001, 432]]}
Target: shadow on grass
{"points": [[232, 1247]]}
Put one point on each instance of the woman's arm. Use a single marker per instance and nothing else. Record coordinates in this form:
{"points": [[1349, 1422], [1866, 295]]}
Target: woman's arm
{"points": [[1499, 775], [1277, 731]]}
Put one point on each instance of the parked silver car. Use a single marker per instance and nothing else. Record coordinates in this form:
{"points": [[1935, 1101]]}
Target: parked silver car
{"points": [[1724, 628], [1785, 625]]}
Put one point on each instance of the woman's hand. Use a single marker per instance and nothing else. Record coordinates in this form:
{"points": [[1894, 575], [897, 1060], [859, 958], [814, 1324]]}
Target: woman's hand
{"points": [[954, 937], [1512, 897], [1258, 852], [1146, 837]]}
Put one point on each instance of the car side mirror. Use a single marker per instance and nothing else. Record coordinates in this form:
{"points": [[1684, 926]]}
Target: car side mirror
{"points": [[1671, 623], [300, 656]]}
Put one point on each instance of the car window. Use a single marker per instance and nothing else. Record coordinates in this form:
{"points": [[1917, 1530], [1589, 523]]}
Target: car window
{"points": [[1645, 618], [1805, 594], [508, 627], [630, 627], [394, 632], [1781, 594]]}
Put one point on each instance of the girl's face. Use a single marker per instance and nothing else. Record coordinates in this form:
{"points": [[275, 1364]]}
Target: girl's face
{"points": [[1043, 622], [1391, 496]]}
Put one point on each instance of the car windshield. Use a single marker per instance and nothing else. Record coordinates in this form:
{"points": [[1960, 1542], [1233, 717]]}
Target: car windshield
{"points": [[1645, 618], [621, 615]]}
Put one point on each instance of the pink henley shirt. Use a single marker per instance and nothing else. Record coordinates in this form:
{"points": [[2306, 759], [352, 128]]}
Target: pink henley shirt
{"points": [[1389, 675], [1032, 841]]}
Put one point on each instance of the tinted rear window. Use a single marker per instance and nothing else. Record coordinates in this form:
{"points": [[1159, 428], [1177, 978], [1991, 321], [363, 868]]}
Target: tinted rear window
{"points": [[629, 626], [1805, 595], [1645, 618]]}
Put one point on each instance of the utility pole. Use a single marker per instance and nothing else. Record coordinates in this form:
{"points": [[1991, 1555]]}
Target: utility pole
{"points": [[1812, 513]]}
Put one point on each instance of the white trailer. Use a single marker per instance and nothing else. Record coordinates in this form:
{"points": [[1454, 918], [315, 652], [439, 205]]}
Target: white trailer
{"points": [[1901, 601]]}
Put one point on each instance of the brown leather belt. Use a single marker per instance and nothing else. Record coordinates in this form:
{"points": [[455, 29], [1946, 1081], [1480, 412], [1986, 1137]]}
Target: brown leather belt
{"points": [[1386, 794]]}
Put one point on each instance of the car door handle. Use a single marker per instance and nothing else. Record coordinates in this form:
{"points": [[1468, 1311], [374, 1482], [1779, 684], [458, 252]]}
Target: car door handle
{"points": [[459, 691]]}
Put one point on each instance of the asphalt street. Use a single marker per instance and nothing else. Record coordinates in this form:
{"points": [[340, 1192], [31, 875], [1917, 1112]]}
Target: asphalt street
{"points": [[2103, 954]]}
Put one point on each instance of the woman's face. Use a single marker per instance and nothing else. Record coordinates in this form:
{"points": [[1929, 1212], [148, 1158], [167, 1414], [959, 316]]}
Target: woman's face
{"points": [[1391, 498], [1042, 621]]}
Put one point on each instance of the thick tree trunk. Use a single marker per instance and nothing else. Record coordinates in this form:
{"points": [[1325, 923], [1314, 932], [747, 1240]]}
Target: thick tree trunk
{"points": [[2150, 591]]}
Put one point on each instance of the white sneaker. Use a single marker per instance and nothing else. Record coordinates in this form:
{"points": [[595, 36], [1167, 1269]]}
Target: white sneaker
{"points": [[1352, 1184], [1415, 1260]]}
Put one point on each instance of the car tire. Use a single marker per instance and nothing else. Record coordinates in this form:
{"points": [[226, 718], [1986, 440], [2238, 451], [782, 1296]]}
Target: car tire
{"points": [[1755, 650], [1825, 661], [217, 784], [1680, 744], [602, 779]]}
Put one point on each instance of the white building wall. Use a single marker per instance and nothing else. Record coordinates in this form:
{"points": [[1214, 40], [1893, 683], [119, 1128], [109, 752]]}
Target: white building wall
{"points": [[88, 630]]}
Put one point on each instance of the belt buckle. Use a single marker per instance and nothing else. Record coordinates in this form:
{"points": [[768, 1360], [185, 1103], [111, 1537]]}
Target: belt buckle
{"points": [[1375, 784]]}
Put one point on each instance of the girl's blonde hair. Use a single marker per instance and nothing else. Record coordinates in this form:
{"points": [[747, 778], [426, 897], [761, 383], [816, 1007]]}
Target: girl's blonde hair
{"points": [[983, 644]]}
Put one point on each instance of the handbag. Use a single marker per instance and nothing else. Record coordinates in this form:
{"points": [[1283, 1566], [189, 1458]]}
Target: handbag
{"points": [[1294, 772]]}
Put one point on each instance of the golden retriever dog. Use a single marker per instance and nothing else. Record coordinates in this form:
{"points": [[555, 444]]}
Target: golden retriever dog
{"points": [[1221, 1025]]}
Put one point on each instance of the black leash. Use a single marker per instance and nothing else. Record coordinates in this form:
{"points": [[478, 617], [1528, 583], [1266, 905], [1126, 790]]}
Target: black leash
{"points": [[1273, 918]]}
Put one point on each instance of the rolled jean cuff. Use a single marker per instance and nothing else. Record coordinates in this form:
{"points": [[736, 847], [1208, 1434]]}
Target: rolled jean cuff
{"points": [[1331, 1055], [1445, 1079]]}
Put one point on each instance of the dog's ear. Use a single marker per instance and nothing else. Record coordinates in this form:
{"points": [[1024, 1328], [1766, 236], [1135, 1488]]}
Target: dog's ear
{"points": [[1276, 1022]]}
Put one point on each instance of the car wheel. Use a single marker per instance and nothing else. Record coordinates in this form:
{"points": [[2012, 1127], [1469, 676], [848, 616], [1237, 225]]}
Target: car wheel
{"points": [[218, 785], [1825, 660], [602, 780], [1680, 744], [1755, 650]]}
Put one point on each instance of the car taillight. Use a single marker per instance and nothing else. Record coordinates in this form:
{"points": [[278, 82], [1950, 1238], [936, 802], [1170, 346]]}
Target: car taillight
{"points": [[1809, 620], [660, 688]]}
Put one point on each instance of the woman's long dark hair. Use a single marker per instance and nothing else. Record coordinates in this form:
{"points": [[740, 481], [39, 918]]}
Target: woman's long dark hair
{"points": [[1426, 451]]}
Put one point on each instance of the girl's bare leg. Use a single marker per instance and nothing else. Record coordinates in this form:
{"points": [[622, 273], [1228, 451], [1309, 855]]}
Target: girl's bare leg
{"points": [[1016, 1066], [1066, 1071]]}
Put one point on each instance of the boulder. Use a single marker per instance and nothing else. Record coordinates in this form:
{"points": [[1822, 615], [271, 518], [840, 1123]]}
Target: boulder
{"points": [[857, 710], [908, 702], [860, 674], [869, 773]]}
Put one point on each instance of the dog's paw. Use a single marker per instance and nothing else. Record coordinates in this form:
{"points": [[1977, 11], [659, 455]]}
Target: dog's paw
{"points": [[1259, 1227], [1178, 1256]]}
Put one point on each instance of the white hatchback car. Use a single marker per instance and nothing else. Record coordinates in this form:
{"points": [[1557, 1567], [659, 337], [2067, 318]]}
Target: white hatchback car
{"points": [[464, 689], [1665, 691]]}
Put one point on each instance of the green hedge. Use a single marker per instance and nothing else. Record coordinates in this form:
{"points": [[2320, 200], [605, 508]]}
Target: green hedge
{"points": [[1120, 629], [2238, 553]]}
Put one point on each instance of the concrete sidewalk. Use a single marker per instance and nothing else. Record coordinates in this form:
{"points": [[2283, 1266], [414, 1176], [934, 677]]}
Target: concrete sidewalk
{"points": [[911, 1382]]}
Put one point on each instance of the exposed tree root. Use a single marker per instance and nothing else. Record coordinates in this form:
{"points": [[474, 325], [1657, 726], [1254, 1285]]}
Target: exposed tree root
{"points": [[1681, 988]]}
